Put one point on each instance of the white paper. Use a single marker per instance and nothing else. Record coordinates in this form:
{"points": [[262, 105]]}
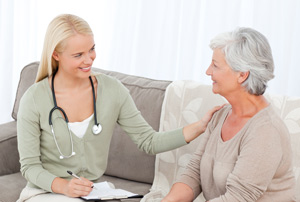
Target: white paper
{"points": [[104, 191]]}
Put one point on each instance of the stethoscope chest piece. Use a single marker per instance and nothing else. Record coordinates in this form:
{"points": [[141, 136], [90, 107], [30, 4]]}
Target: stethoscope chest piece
{"points": [[97, 129]]}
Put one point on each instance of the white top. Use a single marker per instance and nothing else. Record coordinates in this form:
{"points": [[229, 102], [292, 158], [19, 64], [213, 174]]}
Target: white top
{"points": [[79, 128]]}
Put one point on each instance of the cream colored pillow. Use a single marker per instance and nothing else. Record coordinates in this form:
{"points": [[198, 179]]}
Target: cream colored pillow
{"points": [[288, 109], [185, 102]]}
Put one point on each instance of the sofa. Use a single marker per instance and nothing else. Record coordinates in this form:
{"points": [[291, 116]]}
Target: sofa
{"points": [[165, 105]]}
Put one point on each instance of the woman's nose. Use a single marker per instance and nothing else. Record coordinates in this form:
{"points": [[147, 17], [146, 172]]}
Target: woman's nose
{"points": [[208, 71], [88, 59]]}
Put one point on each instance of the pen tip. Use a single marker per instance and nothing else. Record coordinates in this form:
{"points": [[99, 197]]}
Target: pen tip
{"points": [[69, 172]]}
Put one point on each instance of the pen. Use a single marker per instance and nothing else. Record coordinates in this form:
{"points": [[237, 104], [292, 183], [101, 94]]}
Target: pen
{"points": [[74, 175]]}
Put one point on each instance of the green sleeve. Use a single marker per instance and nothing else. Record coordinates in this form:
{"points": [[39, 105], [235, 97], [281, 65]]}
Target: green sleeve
{"points": [[29, 133], [148, 140]]}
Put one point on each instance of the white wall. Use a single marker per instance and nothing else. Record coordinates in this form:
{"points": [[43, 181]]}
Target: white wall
{"points": [[161, 39]]}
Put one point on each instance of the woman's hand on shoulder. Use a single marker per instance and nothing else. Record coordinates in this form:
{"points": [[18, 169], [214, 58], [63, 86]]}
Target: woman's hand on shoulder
{"points": [[193, 130], [207, 117]]}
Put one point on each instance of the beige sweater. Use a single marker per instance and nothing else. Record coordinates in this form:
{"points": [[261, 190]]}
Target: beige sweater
{"points": [[255, 165]]}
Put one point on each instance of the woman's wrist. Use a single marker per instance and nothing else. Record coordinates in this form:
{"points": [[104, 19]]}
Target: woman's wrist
{"points": [[193, 130], [202, 126], [59, 186]]}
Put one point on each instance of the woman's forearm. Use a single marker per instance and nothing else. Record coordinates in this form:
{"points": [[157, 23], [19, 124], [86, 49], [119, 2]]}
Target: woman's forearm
{"points": [[179, 192]]}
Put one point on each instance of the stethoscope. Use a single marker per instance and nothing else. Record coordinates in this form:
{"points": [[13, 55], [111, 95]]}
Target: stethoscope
{"points": [[96, 128]]}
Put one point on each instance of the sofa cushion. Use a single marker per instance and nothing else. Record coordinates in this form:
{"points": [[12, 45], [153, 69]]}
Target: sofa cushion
{"points": [[185, 102], [11, 187], [9, 155]]}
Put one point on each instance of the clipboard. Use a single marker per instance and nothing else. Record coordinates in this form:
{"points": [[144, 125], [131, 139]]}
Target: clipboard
{"points": [[113, 198], [105, 191]]}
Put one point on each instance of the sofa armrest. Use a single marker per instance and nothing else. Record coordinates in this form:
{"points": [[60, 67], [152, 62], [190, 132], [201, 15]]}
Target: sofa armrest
{"points": [[9, 155]]}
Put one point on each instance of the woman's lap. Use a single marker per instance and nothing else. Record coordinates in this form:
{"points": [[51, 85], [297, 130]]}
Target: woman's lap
{"points": [[29, 194]]}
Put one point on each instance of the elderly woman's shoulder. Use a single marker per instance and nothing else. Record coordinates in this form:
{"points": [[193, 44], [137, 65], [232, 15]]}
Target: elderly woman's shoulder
{"points": [[269, 120], [220, 114]]}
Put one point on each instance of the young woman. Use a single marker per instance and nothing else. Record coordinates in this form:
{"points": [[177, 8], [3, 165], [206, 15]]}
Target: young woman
{"points": [[66, 94]]}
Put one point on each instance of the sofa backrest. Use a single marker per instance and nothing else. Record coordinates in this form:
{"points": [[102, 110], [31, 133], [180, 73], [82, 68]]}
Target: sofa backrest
{"points": [[27, 78], [125, 160]]}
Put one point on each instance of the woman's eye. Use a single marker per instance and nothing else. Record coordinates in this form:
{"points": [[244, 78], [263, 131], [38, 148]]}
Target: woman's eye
{"points": [[78, 55]]}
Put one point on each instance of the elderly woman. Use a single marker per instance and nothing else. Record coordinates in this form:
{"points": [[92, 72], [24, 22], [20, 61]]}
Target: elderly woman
{"points": [[246, 153]]}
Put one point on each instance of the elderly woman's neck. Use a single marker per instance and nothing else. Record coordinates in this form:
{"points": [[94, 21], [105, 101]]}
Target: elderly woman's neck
{"points": [[247, 105]]}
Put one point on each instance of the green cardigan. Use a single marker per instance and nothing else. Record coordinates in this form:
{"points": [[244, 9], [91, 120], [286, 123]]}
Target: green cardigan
{"points": [[39, 156]]}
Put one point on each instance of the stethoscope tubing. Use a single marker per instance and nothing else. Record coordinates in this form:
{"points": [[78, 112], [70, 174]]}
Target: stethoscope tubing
{"points": [[94, 101], [61, 110], [97, 125]]}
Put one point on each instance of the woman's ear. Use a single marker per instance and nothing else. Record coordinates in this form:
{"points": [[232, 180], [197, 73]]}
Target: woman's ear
{"points": [[243, 76], [55, 55]]}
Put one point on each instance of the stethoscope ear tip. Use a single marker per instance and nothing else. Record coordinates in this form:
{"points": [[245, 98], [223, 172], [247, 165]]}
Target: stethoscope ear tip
{"points": [[97, 129]]}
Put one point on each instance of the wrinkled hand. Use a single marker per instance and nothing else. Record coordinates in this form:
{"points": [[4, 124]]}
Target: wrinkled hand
{"points": [[78, 187], [192, 131], [207, 117]]}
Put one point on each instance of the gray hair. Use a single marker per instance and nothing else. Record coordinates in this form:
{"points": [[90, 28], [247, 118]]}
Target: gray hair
{"points": [[247, 50]]}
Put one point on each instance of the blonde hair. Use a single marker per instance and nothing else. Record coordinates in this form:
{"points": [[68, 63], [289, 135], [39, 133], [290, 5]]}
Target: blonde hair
{"points": [[59, 30]]}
